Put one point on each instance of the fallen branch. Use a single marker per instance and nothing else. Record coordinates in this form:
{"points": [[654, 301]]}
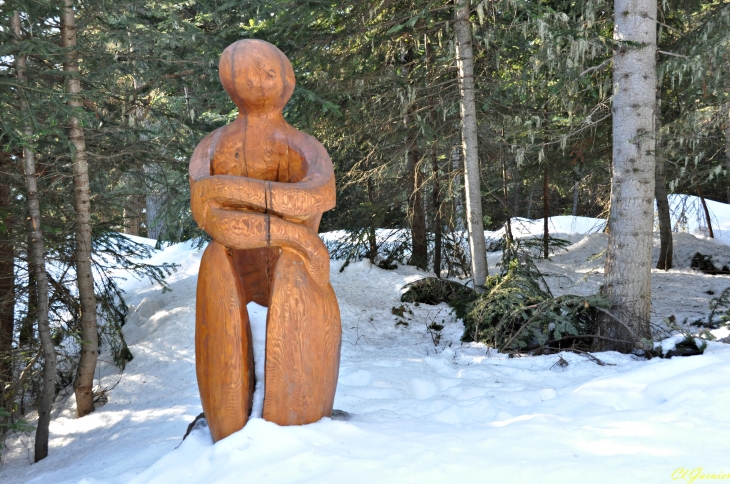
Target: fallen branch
{"points": [[566, 338], [592, 357], [615, 318]]}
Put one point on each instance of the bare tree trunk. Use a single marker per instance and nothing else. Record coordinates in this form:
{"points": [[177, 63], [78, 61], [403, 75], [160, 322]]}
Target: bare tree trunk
{"points": [[154, 201], [516, 195], [529, 202], [628, 259], [36, 253], [576, 191], [505, 193], [474, 217], [436, 204], [727, 156], [372, 240], [457, 197], [545, 213], [436, 186], [419, 245], [84, 380], [26, 336], [7, 281], [416, 215], [133, 214], [662, 202], [707, 212]]}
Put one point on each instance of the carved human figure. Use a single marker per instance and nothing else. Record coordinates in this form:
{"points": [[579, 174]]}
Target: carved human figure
{"points": [[259, 188]]}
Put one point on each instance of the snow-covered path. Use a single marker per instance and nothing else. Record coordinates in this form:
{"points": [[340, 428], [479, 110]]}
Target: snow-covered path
{"points": [[419, 412]]}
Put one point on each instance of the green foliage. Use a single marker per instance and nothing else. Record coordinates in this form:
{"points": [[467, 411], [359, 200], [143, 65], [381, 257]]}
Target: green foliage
{"points": [[720, 305], [8, 424], [433, 290], [517, 312], [692, 344]]}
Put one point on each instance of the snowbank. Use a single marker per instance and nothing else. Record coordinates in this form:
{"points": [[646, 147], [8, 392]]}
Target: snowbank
{"points": [[419, 411]]}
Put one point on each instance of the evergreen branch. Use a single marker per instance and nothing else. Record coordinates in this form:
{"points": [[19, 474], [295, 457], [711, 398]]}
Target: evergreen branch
{"points": [[672, 54], [598, 67]]}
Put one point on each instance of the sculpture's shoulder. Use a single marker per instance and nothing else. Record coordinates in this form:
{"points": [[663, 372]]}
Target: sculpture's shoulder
{"points": [[315, 154], [200, 161]]}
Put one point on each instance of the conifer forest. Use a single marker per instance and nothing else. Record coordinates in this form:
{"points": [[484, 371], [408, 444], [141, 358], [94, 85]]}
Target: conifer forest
{"points": [[443, 119]]}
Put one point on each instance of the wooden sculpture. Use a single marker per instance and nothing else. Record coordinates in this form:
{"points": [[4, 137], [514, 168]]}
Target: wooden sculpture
{"points": [[259, 188]]}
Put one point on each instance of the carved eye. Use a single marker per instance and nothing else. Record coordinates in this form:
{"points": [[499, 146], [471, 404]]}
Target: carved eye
{"points": [[250, 84], [272, 73]]}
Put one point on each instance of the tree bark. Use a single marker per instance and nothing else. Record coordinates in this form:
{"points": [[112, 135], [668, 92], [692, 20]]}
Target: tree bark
{"points": [[416, 214], [707, 212], [545, 213], [419, 245], [662, 202], [36, 253], [628, 258], [26, 336], [7, 281], [505, 193], [372, 240], [474, 217], [133, 214], [727, 156], [436, 204], [516, 194], [84, 379], [154, 202], [576, 191]]}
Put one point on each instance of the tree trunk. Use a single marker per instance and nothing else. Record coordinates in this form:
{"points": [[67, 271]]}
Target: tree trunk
{"points": [[26, 336], [36, 253], [372, 240], [457, 196], [133, 214], [154, 201], [84, 379], [505, 193], [474, 217], [436, 203], [545, 213], [7, 282], [628, 258], [727, 156], [576, 191], [416, 215], [436, 186], [662, 202], [516, 194], [707, 212], [419, 247]]}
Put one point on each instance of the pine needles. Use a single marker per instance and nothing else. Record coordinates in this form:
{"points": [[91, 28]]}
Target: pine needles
{"points": [[519, 313]]}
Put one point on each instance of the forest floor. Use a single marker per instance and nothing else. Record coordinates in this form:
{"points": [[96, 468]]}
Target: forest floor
{"points": [[417, 409]]}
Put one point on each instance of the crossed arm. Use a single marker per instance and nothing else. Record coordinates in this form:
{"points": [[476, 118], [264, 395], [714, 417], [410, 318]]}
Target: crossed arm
{"points": [[244, 213]]}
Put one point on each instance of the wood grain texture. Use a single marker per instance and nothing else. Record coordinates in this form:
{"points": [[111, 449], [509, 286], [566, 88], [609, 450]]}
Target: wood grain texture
{"points": [[223, 344], [259, 188]]}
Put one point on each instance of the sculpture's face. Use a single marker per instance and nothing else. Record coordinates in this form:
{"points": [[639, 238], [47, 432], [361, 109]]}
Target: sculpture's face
{"points": [[257, 76]]}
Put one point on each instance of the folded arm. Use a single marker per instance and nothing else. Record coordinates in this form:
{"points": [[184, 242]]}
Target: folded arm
{"points": [[314, 194], [249, 230]]}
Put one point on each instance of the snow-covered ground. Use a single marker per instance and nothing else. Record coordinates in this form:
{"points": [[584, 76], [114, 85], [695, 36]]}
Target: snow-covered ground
{"points": [[418, 411]]}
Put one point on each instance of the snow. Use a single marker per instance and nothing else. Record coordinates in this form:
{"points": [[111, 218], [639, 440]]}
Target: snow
{"points": [[416, 411]]}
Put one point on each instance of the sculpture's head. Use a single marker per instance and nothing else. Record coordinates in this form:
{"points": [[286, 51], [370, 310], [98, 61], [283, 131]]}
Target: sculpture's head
{"points": [[258, 76]]}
